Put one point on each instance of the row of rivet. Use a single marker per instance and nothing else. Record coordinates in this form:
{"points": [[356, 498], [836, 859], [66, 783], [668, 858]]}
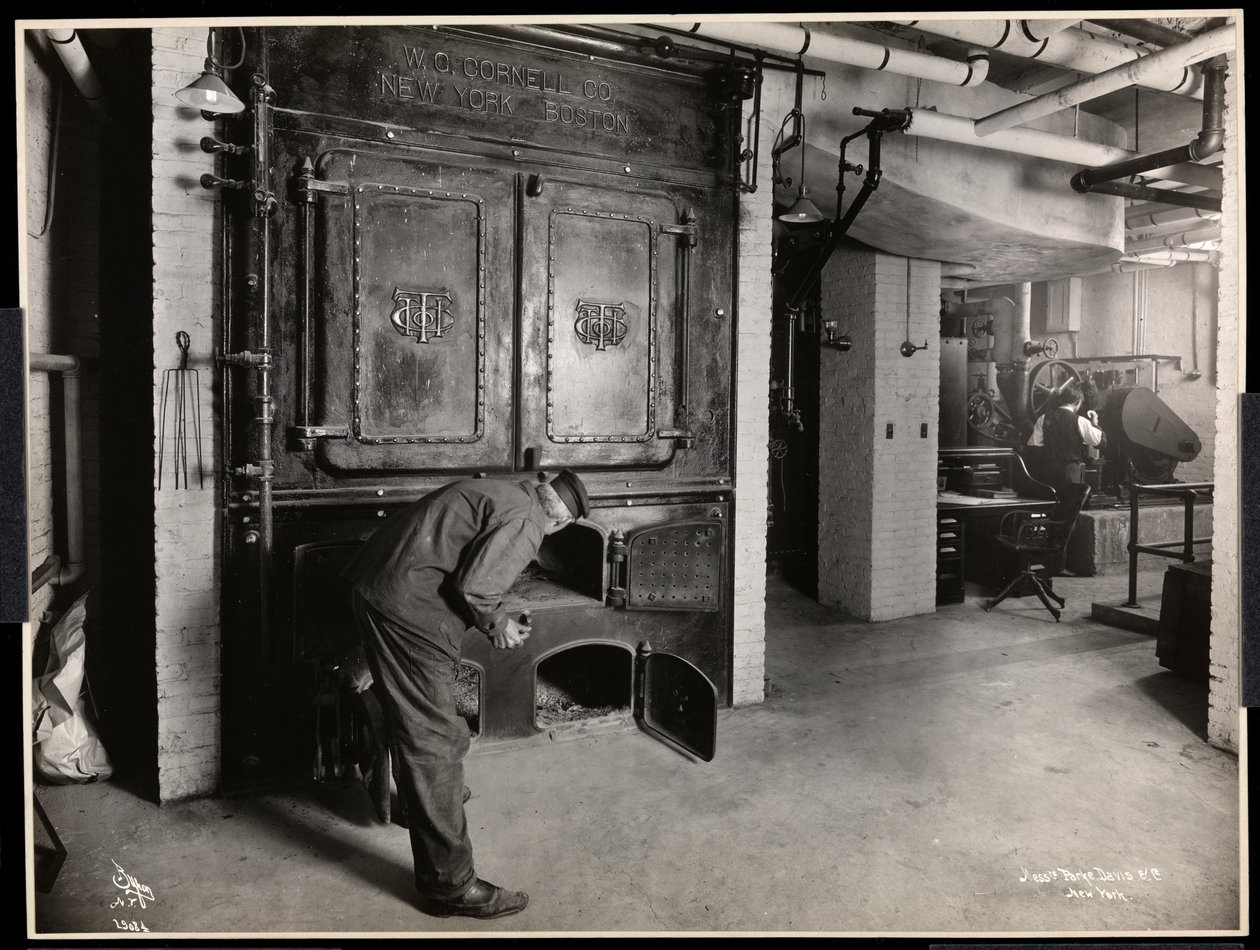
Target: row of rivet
{"points": [[551, 323], [479, 427]]}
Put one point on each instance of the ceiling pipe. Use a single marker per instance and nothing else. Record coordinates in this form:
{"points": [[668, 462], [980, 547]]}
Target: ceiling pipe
{"points": [[1184, 199], [1211, 139], [1038, 30], [1033, 142], [1144, 30], [1070, 48], [75, 565], [74, 57], [1129, 267], [1172, 254], [1213, 43], [1140, 219], [1179, 239], [799, 40]]}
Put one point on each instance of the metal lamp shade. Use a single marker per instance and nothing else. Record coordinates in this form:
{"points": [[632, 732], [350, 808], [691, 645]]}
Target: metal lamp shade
{"points": [[210, 94], [803, 211]]}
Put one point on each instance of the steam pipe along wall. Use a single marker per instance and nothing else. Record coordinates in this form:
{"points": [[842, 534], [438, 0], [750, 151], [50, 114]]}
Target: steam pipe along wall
{"points": [[66, 572], [62, 237]]}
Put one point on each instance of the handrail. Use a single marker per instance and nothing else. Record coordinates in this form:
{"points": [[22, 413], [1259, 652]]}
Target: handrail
{"points": [[1188, 492]]}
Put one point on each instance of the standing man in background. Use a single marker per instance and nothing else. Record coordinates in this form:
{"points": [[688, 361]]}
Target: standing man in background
{"points": [[431, 571], [1068, 436]]}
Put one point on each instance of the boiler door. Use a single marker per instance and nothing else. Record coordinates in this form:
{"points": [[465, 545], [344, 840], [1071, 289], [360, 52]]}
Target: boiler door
{"points": [[679, 704], [414, 300]]}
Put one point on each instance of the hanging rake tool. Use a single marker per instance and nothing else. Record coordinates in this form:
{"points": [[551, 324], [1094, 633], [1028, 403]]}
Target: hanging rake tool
{"points": [[181, 395]]}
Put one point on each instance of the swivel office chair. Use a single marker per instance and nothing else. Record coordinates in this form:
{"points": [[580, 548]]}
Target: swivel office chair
{"points": [[1040, 545]]}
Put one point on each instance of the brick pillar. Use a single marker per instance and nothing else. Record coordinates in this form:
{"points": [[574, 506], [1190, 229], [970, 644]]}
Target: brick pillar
{"points": [[752, 420], [877, 494], [185, 297], [1223, 688]]}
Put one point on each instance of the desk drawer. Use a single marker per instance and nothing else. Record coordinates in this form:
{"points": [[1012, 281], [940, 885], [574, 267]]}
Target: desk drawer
{"points": [[950, 587]]}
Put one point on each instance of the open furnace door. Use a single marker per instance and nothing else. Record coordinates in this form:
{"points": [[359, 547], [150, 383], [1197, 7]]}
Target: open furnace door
{"points": [[676, 703], [676, 566]]}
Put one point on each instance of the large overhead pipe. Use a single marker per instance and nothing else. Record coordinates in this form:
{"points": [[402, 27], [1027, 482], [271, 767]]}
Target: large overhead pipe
{"points": [[1177, 239], [1213, 43], [1144, 30], [75, 58], [961, 130], [1142, 219], [1071, 48], [56, 570], [1211, 139], [799, 40], [1173, 254]]}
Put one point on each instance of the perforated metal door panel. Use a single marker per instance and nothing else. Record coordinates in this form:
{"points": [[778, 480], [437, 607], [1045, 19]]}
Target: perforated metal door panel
{"points": [[676, 566]]}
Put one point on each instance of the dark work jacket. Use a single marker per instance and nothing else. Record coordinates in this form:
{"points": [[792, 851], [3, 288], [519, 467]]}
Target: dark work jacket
{"points": [[1061, 436], [443, 563]]}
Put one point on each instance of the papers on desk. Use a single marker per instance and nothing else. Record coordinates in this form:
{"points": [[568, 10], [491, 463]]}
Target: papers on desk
{"points": [[954, 498]]}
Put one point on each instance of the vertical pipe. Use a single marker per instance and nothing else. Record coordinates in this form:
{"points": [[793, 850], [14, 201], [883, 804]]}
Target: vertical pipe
{"points": [[75, 528], [306, 214], [75, 564], [1023, 323], [1133, 538], [1187, 551], [264, 206]]}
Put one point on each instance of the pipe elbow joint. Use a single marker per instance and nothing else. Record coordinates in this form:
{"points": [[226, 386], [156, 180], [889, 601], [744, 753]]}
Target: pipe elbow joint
{"points": [[71, 574], [978, 71], [1208, 142]]}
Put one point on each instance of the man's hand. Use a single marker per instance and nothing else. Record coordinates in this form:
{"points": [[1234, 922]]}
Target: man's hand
{"points": [[1092, 416], [511, 636]]}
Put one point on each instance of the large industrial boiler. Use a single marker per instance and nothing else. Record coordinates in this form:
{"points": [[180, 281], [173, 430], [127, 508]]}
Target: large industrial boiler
{"points": [[485, 253]]}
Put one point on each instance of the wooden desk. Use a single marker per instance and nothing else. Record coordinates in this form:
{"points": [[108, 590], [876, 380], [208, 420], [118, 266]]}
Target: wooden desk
{"points": [[983, 560]]}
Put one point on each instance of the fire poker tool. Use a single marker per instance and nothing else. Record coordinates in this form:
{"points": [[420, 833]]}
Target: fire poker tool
{"points": [[181, 397]]}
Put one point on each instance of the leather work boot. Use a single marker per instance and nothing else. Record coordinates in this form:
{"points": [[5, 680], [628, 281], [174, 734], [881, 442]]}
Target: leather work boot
{"points": [[483, 901]]}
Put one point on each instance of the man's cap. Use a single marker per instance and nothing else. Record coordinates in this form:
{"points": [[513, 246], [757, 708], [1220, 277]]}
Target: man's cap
{"points": [[573, 493]]}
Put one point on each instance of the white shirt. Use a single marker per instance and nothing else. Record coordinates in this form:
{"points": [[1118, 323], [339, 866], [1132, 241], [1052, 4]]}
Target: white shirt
{"points": [[1091, 435]]}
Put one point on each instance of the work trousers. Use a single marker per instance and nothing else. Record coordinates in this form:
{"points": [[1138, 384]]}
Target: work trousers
{"points": [[429, 739]]}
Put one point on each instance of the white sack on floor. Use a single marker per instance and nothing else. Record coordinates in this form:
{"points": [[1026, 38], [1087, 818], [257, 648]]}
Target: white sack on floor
{"points": [[67, 749]]}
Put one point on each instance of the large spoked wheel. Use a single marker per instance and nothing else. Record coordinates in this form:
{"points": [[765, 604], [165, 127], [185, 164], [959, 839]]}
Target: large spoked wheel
{"points": [[1045, 380]]}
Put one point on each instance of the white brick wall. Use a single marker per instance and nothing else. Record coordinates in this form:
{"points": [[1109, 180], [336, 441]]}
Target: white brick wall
{"points": [[1223, 690], [755, 299], [185, 297], [877, 504]]}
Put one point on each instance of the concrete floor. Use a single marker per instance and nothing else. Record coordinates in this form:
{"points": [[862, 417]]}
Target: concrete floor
{"points": [[908, 776]]}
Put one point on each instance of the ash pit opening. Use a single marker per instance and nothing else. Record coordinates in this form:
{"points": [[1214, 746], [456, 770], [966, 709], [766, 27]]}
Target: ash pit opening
{"points": [[583, 682]]}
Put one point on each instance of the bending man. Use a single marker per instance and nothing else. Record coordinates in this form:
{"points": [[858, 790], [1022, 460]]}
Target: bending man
{"points": [[431, 571]]}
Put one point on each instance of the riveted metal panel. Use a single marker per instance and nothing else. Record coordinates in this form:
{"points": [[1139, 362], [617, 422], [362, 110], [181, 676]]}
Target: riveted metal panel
{"points": [[429, 247], [414, 311], [601, 327], [602, 311], [675, 566]]}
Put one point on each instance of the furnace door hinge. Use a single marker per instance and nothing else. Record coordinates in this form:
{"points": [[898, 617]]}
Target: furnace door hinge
{"points": [[306, 187], [304, 437]]}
